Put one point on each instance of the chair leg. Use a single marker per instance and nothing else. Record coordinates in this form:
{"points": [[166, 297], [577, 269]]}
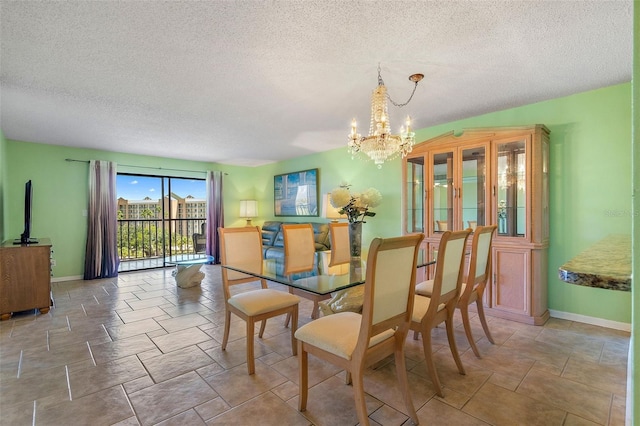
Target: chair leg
{"points": [[227, 324], [431, 366], [251, 364], [294, 327], [452, 343], [401, 371], [303, 377], [358, 394], [263, 325], [483, 320], [288, 318], [464, 310]]}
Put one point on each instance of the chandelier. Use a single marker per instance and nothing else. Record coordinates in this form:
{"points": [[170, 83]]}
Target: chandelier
{"points": [[381, 145]]}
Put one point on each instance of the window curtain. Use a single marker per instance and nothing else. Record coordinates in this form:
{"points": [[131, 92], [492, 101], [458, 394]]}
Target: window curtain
{"points": [[101, 257], [215, 215]]}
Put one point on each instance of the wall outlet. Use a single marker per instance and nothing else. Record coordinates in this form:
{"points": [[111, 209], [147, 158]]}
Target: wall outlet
{"points": [[53, 262]]}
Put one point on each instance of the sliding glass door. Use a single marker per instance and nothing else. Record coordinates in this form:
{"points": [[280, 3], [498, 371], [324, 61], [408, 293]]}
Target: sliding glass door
{"points": [[158, 216]]}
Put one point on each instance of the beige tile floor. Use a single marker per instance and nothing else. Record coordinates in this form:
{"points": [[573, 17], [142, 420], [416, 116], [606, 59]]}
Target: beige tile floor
{"points": [[139, 350]]}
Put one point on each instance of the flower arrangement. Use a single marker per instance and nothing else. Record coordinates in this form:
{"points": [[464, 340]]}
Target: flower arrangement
{"points": [[356, 206]]}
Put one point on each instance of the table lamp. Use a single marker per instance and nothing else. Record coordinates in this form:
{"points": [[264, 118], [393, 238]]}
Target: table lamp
{"points": [[248, 210], [329, 211]]}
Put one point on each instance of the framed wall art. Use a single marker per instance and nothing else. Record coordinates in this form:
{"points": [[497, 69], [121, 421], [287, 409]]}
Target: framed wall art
{"points": [[296, 194]]}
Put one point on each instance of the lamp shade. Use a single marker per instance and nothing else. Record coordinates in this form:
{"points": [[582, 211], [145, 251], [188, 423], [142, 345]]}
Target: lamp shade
{"points": [[248, 208], [329, 211]]}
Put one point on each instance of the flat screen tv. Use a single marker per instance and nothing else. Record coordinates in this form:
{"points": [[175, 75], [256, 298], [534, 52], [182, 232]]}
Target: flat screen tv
{"points": [[25, 237]]}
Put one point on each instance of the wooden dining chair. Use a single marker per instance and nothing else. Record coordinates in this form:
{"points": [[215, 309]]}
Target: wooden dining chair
{"points": [[300, 256], [474, 284], [339, 238], [429, 312], [442, 226], [477, 276], [243, 247], [354, 341]]}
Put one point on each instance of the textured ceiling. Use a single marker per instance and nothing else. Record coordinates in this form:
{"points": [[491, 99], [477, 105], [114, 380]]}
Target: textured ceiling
{"points": [[248, 83]]}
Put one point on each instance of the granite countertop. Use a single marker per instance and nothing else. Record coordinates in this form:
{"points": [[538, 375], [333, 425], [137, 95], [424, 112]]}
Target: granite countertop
{"points": [[606, 264]]}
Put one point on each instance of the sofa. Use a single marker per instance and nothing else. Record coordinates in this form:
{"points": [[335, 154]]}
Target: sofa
{"points": [[273, 242]]}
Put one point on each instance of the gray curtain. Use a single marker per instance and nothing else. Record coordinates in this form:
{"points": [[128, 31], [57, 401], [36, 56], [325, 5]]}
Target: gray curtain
{"points": [[215, 214], [101, 257]]}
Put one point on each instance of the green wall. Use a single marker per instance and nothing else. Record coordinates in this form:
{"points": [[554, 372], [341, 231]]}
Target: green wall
{"points": [[590, 187]]}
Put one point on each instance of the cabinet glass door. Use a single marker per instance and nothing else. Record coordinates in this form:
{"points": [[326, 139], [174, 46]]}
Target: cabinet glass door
{"points": [[473, 196], [511, 189], [442, 192], [545, 189], [415, 194]]}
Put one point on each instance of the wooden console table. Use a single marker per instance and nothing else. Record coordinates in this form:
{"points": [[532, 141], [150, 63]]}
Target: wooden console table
{"points": [[25, 277]]}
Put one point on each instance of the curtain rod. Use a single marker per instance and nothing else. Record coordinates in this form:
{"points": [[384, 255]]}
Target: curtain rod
{"points": [[146, 167]]}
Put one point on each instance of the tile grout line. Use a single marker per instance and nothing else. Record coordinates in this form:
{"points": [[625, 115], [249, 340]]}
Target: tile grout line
{"points": [[106, 332], [601, 353], [613, 397], [20, 364], [33, 416], [91, 353], [566, 364], [126, 395], [66, 370]]}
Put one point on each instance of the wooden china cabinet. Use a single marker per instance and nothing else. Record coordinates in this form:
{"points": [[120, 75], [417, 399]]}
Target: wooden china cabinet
{"points": [[482, 177]]}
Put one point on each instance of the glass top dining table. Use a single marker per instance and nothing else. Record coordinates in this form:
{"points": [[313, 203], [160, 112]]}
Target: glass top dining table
{"points": [[322, 279]]}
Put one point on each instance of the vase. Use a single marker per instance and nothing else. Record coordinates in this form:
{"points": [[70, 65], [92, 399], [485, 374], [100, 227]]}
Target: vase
{"points": [[355, 238]]}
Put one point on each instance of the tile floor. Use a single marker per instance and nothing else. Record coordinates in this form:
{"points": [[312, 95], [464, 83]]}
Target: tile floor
{"points": [[138, 350]]}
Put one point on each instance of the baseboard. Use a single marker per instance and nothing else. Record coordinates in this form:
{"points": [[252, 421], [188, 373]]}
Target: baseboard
{"points": [[71, 278], [591, 320]]}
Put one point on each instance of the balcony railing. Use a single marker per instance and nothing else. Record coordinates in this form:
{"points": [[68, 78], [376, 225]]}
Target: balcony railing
{"points": [[154, 239]]}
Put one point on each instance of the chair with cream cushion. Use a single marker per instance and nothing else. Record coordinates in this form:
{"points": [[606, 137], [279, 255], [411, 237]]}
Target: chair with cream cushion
{"points": [[243, 247], [339, 237], [300, 256], [429, 312], [442, 226], [354, 341], [473, 286]]}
